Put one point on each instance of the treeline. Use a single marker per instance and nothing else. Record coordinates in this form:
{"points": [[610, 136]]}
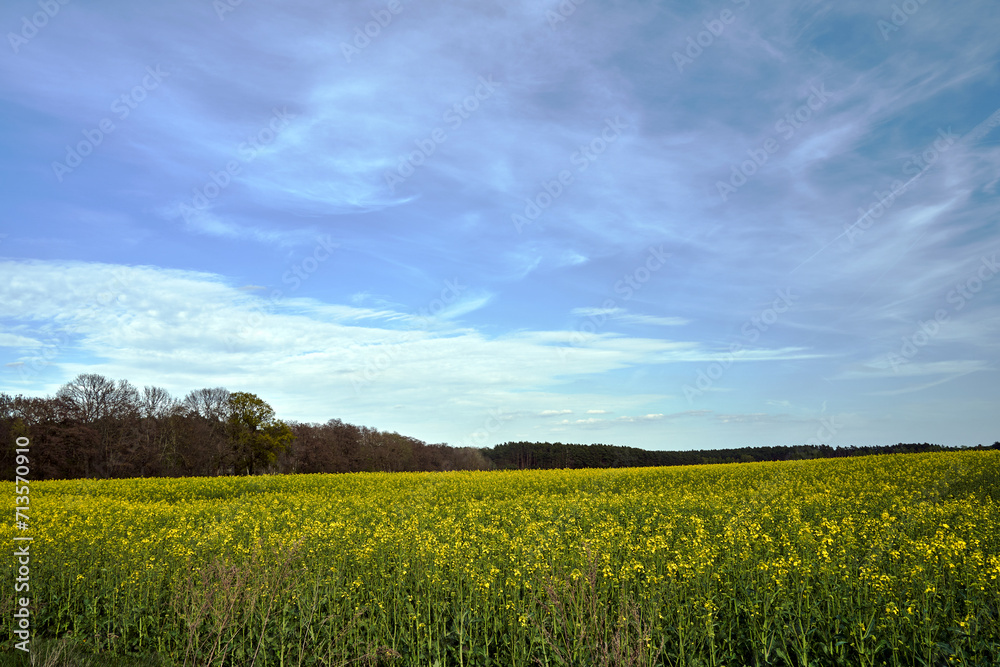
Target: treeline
{"points": [[546, 455], [95, 427]]}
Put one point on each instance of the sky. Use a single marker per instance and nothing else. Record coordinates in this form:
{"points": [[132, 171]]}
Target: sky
{"points": [[668, 225]]}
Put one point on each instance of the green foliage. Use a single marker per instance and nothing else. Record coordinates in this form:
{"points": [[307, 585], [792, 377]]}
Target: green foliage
{"points": [[256, 434]]}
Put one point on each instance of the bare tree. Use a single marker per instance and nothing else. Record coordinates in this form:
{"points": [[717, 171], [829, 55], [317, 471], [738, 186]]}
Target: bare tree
{"points": [[213, 407], [90, 395], [112, 410], [157, 403], [212, 404], [156, 452], [61, 446]]}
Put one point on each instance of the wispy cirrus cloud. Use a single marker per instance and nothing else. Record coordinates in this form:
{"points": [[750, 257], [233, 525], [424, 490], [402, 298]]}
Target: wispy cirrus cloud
{"points": [[769, 164]]}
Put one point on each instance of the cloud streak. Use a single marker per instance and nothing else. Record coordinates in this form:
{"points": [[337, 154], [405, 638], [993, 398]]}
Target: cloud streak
{"points": [[368, 193]]}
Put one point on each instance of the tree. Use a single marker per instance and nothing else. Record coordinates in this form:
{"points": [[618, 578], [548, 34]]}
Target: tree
{"points": [[156, 453], [208, 412], [92, 397], [112, 410], [212, 404], [157, 403], [257, 437], [61, 446]]}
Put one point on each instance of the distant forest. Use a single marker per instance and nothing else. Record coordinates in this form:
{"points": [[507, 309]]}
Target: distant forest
{"points": [[95, 427], [544, 455]]}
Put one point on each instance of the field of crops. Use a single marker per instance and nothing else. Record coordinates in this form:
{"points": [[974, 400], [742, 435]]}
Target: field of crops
{"points": [[888, 560]]}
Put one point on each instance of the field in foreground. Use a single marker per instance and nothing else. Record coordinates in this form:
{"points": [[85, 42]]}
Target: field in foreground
{"points": [[882, 560]]}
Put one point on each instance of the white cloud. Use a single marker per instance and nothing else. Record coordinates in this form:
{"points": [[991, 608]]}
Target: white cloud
{"points": [[14, 340], [622, 315], [185, 329], [500, 345], [885, 368]]}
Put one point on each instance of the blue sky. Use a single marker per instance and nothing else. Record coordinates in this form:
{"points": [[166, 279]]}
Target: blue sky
{"points": [[666, 225]]}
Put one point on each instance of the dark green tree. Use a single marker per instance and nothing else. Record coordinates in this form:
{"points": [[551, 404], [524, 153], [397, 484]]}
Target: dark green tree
{"points": [[257, 436]]}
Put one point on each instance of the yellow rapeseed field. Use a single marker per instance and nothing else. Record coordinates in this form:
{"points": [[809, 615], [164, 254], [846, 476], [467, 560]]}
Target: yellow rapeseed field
{"points": [[886, 560]]}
